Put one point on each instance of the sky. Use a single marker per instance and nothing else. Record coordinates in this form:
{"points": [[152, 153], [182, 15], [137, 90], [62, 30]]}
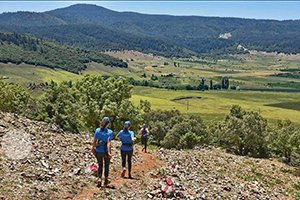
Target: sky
{"points": [[280, 10]]}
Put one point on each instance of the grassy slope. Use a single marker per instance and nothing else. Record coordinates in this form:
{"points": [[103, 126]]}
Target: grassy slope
{"points": [[215, 104], [23, 74]]}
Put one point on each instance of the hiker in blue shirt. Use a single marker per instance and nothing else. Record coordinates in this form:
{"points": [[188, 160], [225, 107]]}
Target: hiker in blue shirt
{"points": [[102, 149], [127, 138]]}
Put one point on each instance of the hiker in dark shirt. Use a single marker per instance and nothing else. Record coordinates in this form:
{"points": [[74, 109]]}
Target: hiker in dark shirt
{"points": [[127, 138], [144, 137], [102, 149]]}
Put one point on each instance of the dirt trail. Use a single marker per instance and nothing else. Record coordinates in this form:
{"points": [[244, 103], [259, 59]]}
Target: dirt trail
{"points": [[148, 163]]}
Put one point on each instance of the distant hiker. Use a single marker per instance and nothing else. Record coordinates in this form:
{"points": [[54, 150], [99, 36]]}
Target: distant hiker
{"points": [[102, 149], [144, 137], [127, 138]]}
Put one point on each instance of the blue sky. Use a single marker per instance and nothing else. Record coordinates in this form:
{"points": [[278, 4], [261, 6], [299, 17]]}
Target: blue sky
{"points": [[247, 9]]}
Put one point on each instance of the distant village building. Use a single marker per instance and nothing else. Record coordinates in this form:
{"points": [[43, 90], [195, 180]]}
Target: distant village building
{"points": [[225, 36]]}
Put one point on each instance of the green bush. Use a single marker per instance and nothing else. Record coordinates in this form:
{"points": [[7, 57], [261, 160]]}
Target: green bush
{"points": [[61, 105], [13, 98], [285, 139], [189, 140], [110, 97], [181, 129], [245, 133]]}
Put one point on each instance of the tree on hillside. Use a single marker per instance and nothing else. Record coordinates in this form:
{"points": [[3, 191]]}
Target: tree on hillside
{"points": [[13, 98], [106, 98], [185, 128], [202, 85], [285, 139], [245, 133], [61, 105], [225, 83], [211, 85]]}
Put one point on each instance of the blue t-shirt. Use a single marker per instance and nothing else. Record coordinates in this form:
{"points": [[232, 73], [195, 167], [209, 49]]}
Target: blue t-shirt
{"points": [[102, 137], [126, 138]]}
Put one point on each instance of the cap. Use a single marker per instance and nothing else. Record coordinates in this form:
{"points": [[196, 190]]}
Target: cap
{"points": [[127, 123], [105, 120]]}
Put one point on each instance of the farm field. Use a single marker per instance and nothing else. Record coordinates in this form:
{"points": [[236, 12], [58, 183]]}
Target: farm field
{"points": [[246, 71], [214, 105], [249, 71]]}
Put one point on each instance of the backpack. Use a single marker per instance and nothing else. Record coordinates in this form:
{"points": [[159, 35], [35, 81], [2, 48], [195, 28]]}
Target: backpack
{"points": [[144, 132]]}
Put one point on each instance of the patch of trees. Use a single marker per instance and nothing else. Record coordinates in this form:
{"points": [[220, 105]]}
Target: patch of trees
{"points": [[241, 132], [295, 75], [290, 70], [16, 48], [153, 77], [176, 64], [203, 86], [76, 106], [79, 106], [154, 83], [157, 83]]}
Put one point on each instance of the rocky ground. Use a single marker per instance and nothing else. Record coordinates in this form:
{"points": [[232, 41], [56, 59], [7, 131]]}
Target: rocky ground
{"points": [[210, 173], [56, 168]]}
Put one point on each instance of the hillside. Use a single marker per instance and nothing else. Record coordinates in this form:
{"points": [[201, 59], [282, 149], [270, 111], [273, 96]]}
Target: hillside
{"points": [[29, 19], [56, 168], [98, 28], [100, 38], [17, 48]]}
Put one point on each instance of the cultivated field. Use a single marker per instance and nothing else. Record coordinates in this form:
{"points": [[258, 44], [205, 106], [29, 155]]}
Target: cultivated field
{"points": [[254, 71], [216, 104]]}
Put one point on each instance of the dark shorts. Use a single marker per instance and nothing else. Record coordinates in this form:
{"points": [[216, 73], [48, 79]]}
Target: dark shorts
{"points": [[144, 140]]}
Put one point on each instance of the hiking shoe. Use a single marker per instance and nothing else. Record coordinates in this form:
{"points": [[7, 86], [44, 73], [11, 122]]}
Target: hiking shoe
{"points": [[123, 173], [99, 184], [106, 182]]}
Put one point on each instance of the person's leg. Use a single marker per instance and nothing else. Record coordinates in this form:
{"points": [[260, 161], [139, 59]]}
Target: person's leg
{"points": [[99, 157], [145, 143], [129, 154], [142, 139], [123, 156], [106, 168]]}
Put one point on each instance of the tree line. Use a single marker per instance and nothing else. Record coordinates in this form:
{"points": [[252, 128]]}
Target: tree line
{"points": [[17, 48], [171, 84]]}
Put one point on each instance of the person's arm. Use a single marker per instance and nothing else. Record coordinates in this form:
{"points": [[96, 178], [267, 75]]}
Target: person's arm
{"points": [[132, 137], [118, 135], [94, 143], [109, 147]]}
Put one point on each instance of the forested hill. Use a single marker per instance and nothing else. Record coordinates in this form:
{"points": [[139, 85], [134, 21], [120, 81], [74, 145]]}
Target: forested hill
{"points": [[95, 27], [17, 48]]}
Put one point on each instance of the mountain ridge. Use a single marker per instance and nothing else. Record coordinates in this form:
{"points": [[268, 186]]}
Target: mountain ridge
{"points": [[181, 36]]}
